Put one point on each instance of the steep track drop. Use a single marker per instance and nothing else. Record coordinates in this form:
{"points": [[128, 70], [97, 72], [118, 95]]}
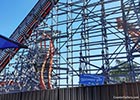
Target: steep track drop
{"points": [[24, 30]]}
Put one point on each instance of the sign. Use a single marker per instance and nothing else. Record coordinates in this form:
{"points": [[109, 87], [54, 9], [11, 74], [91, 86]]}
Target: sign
{"points": [[91, 79]]}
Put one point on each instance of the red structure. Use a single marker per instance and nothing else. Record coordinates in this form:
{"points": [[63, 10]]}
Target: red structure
{"points": [[47, 61], [134, 33]]}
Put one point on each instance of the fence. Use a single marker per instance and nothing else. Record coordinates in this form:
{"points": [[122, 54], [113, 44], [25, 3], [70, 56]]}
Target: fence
{"points": [[124, 91]]}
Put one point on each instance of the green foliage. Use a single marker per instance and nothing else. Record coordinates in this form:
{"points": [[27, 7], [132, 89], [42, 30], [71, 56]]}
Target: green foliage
{"points": [[123, 69]]}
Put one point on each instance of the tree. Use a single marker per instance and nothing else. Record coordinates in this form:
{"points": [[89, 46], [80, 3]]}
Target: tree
{"points": [[122, 73]]}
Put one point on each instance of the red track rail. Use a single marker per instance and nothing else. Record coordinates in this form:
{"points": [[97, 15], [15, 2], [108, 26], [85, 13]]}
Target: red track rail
{"points": [[134, 33], [24, 30], [48, 59]]}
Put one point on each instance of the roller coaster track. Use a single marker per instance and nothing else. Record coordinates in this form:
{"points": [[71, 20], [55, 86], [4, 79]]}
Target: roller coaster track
{"points": [[47, 61], [132, 31], [45, 68], [24, 30]]}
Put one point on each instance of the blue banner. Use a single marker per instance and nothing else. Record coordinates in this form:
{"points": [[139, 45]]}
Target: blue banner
{"points": [[91, 79]]}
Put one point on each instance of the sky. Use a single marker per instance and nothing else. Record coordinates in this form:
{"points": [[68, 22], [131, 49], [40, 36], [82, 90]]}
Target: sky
{"points": [[12, 12]]}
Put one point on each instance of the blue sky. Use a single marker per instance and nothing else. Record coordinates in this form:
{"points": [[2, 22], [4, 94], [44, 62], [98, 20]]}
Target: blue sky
{"points": [[12, 12]]}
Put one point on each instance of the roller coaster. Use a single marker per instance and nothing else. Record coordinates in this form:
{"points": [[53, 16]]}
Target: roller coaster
{"points": [[69, 38], [23, 32]]}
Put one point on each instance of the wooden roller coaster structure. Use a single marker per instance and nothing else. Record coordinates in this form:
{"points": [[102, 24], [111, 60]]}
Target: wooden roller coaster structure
{"points": [[24, 30]]}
